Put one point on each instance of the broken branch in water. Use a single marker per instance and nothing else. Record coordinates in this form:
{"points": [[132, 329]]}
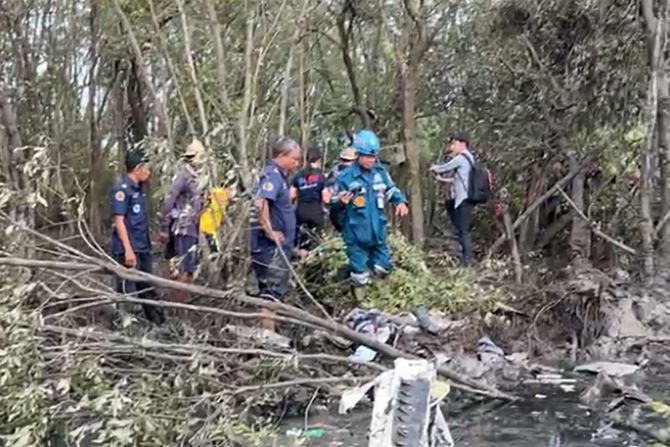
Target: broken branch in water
{"points": [[294, 314]]}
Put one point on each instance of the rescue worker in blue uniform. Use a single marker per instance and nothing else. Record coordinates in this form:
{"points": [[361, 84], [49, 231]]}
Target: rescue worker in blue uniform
{"points": [[131, 243], [273, 225], [363, 189]]}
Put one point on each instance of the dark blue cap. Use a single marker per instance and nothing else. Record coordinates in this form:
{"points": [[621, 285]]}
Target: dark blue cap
{"points": [[135, 158]]}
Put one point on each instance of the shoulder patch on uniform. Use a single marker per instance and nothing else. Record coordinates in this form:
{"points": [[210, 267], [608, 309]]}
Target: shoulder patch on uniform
{"points": [[120, 196], [268, 186]]}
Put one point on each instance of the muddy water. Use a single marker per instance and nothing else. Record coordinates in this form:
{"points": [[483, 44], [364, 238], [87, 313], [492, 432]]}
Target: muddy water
{"points": [[547, 417]]}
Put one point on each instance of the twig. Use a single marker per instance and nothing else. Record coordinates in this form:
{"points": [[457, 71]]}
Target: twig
{"points": [[299, 382], [594, 227], [190, 348], [309, 405]]}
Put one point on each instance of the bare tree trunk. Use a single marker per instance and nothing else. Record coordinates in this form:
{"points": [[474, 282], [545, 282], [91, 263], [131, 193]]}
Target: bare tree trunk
{"points": [[192, 72], [345, 25], [286, 85], [656, 40], [516, 258], [412, 152], [580, 236], [664, 158], [221, 68], [301, 92], [134, 92], [119, 101], [171, 67], [159, 108], [646, 222], [21, 211], [529, 229], [96, 166], [243, 119]]}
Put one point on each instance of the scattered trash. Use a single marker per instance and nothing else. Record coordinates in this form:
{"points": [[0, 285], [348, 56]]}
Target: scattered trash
{"points": [[315, 433], [486, 345], [540, 396], [401, 411], [439, 390], [369, 322], [423, 318], [259, 335], [568, 388], [610, 368], [550, 379]]}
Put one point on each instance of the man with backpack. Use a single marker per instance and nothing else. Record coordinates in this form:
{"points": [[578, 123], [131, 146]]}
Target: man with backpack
{"points": [[470, 185]]}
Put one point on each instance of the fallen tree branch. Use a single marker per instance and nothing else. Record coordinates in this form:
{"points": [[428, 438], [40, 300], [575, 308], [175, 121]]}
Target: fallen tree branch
{"points": [[294, 313], [529, 211], [191, 348], [291, 383], [594, 227]]}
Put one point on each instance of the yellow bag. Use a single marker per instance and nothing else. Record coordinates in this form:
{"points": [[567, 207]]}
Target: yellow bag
{"points": [[212, 216]]}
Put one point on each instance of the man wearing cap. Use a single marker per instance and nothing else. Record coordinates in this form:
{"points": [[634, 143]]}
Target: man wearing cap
{"points": [[347, 158], [363, 189], [181, 217], [131, 244], [459, 207], [273, 225]]}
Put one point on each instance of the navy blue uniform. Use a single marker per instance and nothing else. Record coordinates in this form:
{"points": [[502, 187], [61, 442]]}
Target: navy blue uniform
{"points": [[268, 260], [310, 184], [129, 200]]}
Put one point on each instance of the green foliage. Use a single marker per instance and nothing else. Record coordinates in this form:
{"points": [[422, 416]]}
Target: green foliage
{"points": [[24, 395], [78, 393], [411, 284]]}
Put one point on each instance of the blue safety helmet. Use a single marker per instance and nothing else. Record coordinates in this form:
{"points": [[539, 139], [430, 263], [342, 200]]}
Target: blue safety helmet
{"points": [[366, 143]]}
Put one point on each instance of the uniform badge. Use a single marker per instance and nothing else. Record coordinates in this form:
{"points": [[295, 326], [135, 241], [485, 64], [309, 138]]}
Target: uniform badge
{"points": [[268, 186], [359, 201], [120, 196], [137, 208]]}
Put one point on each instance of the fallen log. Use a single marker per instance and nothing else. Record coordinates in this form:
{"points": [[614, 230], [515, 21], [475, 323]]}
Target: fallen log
{"points": [[284, 311]]}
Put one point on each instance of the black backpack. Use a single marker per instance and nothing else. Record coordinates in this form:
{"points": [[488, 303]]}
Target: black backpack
{"points": [[481, 182]]}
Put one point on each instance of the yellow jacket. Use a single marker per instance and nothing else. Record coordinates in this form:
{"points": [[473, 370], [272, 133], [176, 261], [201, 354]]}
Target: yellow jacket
{"points": [[212, 216]]}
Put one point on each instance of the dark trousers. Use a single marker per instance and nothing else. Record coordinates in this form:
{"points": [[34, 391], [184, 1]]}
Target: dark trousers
{"points": [[311, 221], [140, 289], [460, 219], [271, 269]]}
